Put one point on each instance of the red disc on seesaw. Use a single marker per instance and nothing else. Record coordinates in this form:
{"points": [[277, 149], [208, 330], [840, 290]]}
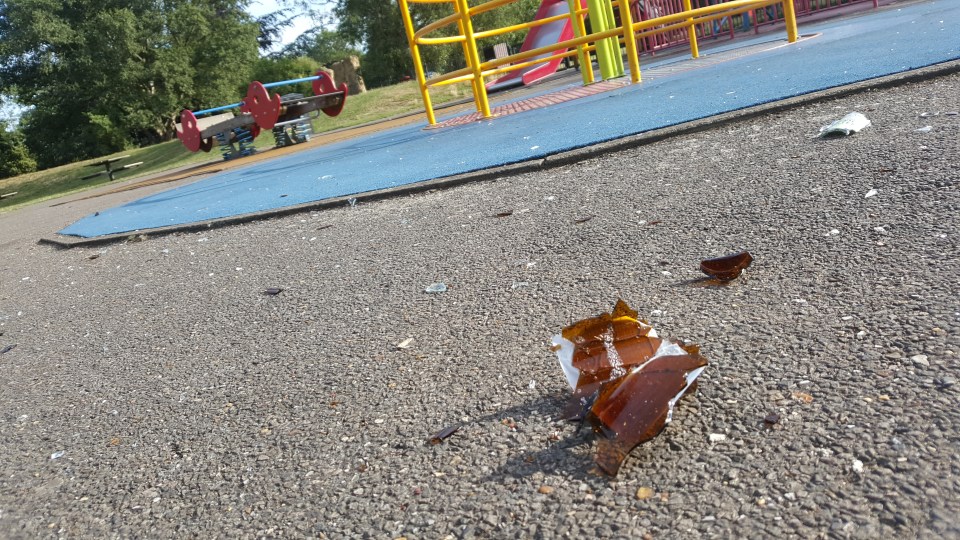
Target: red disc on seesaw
{"points": [[324, 85], [254, 127], [264, 107], [189, 132]]}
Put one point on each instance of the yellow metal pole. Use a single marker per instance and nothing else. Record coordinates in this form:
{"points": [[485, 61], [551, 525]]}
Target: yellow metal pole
{"points": [[790, 19], [473, 59], [582, 28], [417, 65], [466, 55], [691, 32], [630, 39], [584, 58]]}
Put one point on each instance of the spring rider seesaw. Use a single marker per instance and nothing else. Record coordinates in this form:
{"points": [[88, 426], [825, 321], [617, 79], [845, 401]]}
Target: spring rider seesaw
{"points": [[287, 116]]}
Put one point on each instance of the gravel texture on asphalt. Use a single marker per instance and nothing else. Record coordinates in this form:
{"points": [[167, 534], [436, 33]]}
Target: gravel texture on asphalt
{"points": [[156, 391]]}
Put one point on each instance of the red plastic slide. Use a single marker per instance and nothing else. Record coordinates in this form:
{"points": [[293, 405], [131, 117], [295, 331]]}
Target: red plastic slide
{"points": [[540, 36]]}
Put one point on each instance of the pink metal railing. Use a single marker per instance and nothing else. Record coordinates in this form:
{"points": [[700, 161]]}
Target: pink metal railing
{"points": [[649, 9], [804, 8], [643, 10]]}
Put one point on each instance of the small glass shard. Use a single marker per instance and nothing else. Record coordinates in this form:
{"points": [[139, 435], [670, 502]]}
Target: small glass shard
{"points": [[443, 434], [436, 288], [7, 349], [504, 214], [272, 291], [726, 268], [578, 221]]}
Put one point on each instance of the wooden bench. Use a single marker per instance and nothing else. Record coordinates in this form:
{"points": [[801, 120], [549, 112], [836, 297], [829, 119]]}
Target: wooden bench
{"points": [[108, 164]]}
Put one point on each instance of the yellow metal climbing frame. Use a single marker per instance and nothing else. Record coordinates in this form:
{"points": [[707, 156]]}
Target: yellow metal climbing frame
{"points": [[581, 45]]}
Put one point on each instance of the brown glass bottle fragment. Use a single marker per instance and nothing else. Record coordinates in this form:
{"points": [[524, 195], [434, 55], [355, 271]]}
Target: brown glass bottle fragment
{"points": [[635, 408], [726, 268], [625, 379]]}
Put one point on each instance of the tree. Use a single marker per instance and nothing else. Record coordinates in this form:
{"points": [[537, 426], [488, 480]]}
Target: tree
{"points": [[272, 26], [324, 46], [376, 25], [15, 159], [104, 74], [269, 70]]}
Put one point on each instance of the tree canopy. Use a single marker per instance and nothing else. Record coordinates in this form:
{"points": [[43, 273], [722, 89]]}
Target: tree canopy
{"points": [[322, 45], [104, 74]]}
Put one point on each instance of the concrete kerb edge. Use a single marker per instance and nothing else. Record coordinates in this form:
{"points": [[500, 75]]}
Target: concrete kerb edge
{"points": [[399, 191], [544, 163]]}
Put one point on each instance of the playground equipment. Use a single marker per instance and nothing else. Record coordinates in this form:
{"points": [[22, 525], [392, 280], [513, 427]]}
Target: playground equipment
{"points": [[607, 33], [288, 117], [559, 30]]}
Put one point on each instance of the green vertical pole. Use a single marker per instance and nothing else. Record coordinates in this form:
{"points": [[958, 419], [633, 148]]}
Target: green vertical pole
{"points": [[598, 23], [614, 42]]}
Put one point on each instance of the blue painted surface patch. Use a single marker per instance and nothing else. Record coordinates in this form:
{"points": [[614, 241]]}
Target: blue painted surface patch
{"points": [[877, 44]]}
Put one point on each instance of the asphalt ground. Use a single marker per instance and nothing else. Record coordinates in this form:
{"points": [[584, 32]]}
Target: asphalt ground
{"points": [[154, 391], [836, 53]]}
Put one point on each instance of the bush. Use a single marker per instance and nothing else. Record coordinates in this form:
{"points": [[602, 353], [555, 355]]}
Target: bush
{"points": [[15, 159], [268, 70]]}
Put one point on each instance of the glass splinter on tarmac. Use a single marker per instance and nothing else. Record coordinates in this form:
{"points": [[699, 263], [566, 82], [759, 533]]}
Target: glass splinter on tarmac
{"points": [[626, 380], [727, 268], [443, 434]]}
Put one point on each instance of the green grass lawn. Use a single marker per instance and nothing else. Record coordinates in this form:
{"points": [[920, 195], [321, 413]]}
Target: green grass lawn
{"points": [[377, 104]]}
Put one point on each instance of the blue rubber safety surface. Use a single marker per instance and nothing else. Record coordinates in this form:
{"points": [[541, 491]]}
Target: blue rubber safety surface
{"points": [[853, 49]]}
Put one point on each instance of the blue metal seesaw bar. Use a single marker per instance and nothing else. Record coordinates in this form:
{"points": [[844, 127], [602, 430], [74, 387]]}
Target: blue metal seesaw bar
{"points": [[268, 85]]}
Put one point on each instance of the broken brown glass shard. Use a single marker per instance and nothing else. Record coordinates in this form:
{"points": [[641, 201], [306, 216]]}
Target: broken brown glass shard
{"points": [[443, 434], [626, 380], [726, 268], [504, 214], [635, 408]]}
